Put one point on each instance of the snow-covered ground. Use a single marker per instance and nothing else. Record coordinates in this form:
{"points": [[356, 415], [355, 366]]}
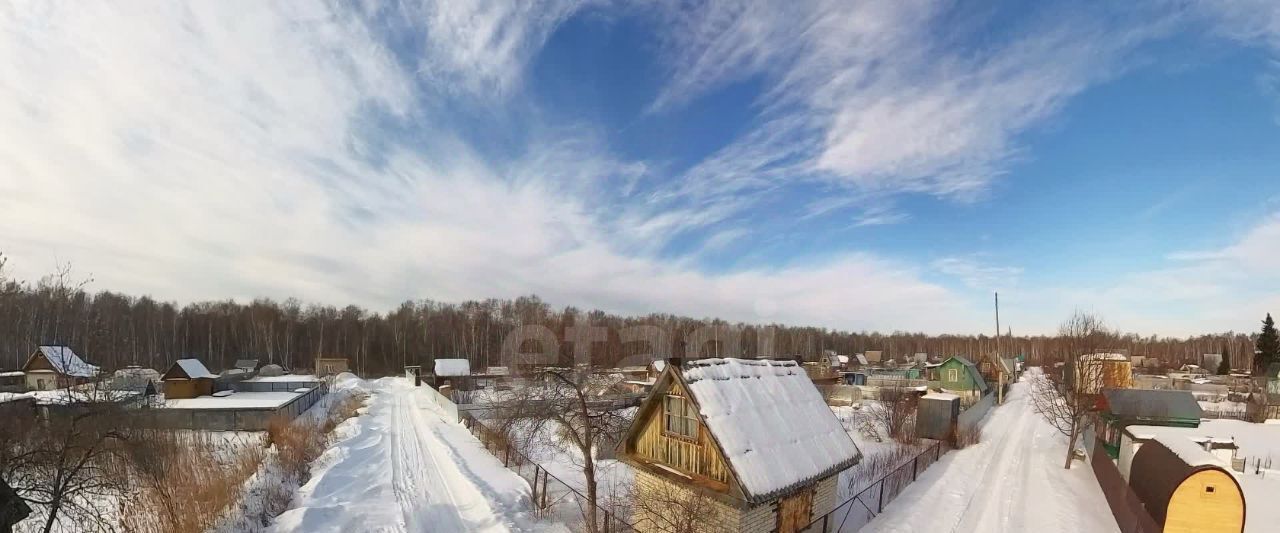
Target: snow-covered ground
{"points": [[1011, 481], [405, 467]]}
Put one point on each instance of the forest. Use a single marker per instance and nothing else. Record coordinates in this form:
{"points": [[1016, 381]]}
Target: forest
{"points": [[114, 330]]}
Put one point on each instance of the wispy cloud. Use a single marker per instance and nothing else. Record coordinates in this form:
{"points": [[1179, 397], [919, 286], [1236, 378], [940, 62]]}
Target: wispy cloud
{"points": [[978, 275], [211, 150], [881, 96]]}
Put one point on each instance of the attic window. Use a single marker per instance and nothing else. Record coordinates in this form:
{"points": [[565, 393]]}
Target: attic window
{"points": [[953, 374], [1209, 489], [679, 417]]}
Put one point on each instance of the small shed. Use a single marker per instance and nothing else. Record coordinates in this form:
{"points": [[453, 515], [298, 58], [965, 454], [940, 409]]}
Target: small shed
{"points": [[1186, 489], [1119, 408], [331, 366], [936, 415], [248, 365], [187, 378], [56, 367], [454, 373]]}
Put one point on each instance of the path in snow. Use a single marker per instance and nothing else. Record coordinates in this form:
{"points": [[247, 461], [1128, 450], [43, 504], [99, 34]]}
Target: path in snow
{"points": [[1011, 481], [406, 468]]}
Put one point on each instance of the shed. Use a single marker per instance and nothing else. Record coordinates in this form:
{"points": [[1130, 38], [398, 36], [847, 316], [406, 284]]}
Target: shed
{"points": [[754, 436], [187, 378], [936, 415], [331, 366], [455, 373], [56, 367], [247, 365], [1186, 489]]}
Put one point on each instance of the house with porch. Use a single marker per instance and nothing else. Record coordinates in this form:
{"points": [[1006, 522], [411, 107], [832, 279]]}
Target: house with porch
{"points": [[752, 439], [57, 367]]}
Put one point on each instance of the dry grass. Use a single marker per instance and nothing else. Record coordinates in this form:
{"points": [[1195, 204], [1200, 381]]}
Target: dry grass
{"points": [[183, 481], [966, 437]]}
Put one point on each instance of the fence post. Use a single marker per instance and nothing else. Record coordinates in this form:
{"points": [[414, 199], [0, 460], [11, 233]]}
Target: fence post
{"points": [[880, 506], [915, 463]]}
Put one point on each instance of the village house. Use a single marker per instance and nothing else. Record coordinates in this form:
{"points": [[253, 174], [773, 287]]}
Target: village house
{"points": [[1120, 408], [753, 439], [1096, 372], [57, 367], [960, 376], [187, 378], [1186, 488]]}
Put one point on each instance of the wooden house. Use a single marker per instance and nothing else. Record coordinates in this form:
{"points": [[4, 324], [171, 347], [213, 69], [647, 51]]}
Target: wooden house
{"points": [[331, 366], [753, 439], [1119, 408], [1186, 489], [960, 376], [1096, 372], [57, 367], [453, 373], [187, 378]]}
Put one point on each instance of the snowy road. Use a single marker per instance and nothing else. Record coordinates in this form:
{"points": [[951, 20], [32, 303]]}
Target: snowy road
{"points": [[1011, 481], [406, 468]]}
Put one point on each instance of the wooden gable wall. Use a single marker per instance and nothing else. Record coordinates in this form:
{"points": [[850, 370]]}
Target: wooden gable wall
{"points": [[38, 362], [700, 458]]}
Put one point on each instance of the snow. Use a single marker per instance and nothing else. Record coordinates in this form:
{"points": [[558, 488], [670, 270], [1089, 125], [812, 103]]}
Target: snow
{"points": [[67, 363], [284, 379], [223, 393], [844, 359], [194, 369], [659, 365], [239, 400], [940, 396], [452, 367], [404, 467], [11, 374], [1012, 481], [774, 426], [13, 396], [1189, 451]]}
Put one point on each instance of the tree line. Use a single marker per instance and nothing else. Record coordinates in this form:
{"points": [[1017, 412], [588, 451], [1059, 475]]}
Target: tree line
{"points": [[114, 330]]}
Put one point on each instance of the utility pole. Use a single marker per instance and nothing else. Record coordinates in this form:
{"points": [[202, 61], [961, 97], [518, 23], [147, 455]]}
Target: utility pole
{"points": [[997, 362]]}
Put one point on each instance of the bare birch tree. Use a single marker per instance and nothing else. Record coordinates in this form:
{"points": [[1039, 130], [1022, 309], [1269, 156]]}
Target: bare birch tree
{"points": [[1066, 390]]}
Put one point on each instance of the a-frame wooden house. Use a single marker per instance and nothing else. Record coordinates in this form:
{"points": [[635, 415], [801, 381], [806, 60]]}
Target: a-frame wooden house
{"points": [[753, 440]]}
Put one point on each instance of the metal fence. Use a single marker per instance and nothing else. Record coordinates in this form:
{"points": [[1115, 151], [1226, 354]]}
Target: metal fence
{"points": [[552, 497], [855, 512]]}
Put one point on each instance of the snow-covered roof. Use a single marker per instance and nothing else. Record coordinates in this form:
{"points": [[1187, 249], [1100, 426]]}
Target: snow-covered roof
{"points": [[498, 371], [11, 374], [193, 369], [659, 365], [66, 362], [862, 359], [246, 364], [844, 359], [452, 367], [940, 396], [773, 426], [1189, 451]]}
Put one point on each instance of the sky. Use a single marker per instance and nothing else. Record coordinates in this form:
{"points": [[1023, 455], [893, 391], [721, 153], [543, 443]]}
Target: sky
{"points": [[877, 165]]}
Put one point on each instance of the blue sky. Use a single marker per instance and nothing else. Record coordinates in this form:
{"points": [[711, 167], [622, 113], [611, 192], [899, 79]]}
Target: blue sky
{"points": [[856, 165]]}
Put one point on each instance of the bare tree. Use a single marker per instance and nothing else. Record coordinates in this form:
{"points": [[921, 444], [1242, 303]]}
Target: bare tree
{"points": [[1066, 390], [671, 508], [895, 412], [565, 411]]}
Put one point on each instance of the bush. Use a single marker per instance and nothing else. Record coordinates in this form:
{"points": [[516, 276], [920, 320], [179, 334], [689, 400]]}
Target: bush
{"points": [[969, 436]]}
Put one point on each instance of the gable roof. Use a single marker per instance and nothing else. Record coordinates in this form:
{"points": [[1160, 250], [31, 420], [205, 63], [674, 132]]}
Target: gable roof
{"points": [[188, 368], [862, 359], [452, 367], [65, 361], [1145, 404], [770, 422]]}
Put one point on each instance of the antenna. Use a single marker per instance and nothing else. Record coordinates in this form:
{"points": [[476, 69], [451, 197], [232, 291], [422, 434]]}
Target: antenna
{"points": [[997, 324]]}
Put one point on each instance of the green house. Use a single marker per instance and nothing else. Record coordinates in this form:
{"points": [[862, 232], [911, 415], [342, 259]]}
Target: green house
{"points": [[958, 374], [1120, 408]]}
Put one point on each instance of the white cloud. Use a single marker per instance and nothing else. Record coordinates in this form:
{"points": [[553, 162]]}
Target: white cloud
{"points": [[212, 150], [880, 95], [977, 275]]}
